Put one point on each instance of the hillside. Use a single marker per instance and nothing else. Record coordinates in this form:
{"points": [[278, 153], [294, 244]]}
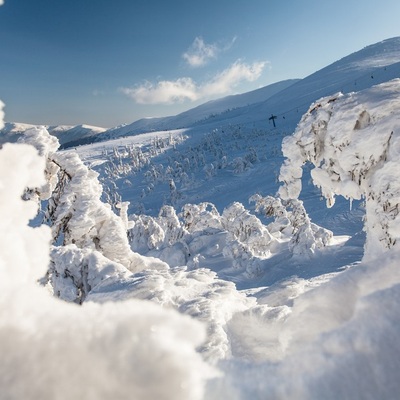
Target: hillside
{"points": [[200, 113], [372, 65], [67, 135]]}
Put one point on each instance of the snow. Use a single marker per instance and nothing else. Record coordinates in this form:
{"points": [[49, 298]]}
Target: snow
{"points": [[53, 349], [177, 266], [372, 65], [353, 142], [67, 135]]}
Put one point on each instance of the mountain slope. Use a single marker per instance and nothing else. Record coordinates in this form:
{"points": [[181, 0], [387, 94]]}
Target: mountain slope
{"points": [[372, 65], [67, 135], [199, 113]]}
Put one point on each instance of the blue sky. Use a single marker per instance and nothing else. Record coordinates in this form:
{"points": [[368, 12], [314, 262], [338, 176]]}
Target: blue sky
{"points": [[105, 62]]}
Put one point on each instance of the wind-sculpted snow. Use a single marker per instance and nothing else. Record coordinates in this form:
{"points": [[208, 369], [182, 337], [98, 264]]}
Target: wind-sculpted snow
{"points": [[353, 141], [54, 350], [197, 293], [339, 340]]}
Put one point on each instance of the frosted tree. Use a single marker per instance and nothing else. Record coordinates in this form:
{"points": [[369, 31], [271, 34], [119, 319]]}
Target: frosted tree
{"points": [[172, 227], [80, 222], [145, 234], [248, 240], [247, 229], [292, 221], [306, 236], [203, 217], [353, 143], [272, 207], [239, 165]]}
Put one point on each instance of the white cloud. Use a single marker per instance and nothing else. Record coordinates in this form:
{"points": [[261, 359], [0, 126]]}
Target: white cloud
{"points": [[164, 92], [199, 53], [1, 2], [183, 89], [229, 78]]}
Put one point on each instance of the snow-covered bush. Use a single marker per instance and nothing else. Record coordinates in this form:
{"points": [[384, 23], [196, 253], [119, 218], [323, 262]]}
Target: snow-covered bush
{"points": [[272, 207], [291, 221], [248, 240], [240, 165], [146, 234], [247, 229], [52, 349], [78, 217], [306, 236], [169, 221], [203, 217], [353, 141], [74, 272]]}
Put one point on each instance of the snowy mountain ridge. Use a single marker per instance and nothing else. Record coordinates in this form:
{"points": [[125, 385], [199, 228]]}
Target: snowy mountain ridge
{"points": [[367, 67], [198, 114], [67, 135]]}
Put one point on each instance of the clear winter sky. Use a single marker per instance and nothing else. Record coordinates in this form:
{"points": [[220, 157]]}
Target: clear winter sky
{"points": [[107, 62]]}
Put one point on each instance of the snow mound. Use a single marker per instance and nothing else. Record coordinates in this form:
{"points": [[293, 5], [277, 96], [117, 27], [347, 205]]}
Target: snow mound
{"points": [[196, 293], [339, 340]]}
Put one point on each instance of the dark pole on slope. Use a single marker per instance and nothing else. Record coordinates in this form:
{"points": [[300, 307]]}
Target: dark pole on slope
{"points": [[273, 117]]}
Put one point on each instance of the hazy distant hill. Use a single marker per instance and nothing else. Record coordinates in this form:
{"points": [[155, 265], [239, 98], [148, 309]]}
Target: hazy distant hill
{"points": [[67, 135]]}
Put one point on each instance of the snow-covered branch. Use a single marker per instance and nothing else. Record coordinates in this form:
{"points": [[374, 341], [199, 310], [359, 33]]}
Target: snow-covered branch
{"points": [[353, 141]]}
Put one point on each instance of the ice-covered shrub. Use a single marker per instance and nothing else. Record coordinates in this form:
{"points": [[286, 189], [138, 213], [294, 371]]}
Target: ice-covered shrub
{"points": [[79, 218], [201, 217], [74, 272], [353, 141], [292, 222], [272, 207], [146, 234], [52, 349], [248, 240], [247, 229]]}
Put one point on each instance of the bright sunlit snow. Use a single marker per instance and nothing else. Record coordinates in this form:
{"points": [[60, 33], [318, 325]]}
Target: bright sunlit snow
{"points": [[210, 255]]}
